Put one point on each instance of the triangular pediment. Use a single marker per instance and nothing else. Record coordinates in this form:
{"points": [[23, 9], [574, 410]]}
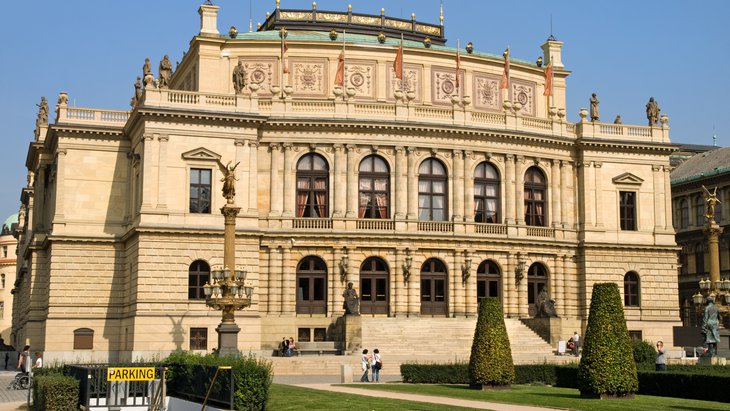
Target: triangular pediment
{"points": [[201, 153], [627, 178]]}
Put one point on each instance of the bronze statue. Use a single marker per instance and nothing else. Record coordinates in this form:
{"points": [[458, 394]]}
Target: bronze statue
{"points": [[617, 120], [42, 113], [594, 107], [545, 305], [710, 326], [165, 70], [711, 201], [239, 77], [352, 301], [229, 181], [652, 111]]}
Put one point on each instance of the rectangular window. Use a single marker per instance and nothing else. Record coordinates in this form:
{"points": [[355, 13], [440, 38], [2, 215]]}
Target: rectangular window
{"points": [[200, 186], [635, 335], [199, 339], [627, 210]]}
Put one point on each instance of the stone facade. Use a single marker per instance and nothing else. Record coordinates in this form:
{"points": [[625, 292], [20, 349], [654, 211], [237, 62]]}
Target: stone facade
{"points": [[124, 204]]}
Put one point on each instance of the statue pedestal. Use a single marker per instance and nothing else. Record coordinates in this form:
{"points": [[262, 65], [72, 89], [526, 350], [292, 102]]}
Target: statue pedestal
{"points": [[228, 339], [353, 333]]}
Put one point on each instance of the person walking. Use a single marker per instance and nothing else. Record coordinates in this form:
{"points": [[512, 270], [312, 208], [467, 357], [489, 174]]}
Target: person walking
{"points": [[661, 357], [376, 366], [576, 343], [365, 363], [24, 360]]}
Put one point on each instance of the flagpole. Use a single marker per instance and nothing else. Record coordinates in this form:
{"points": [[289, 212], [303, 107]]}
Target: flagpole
{"points": [[344, 59], [402, 63], [281, 69], [458, 63]]}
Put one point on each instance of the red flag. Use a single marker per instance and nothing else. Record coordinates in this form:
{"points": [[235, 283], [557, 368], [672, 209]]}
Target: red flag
{"points": [[504, 84], [458, 67], [398, 63], [284, 48], [548, 80], [340, 76]]}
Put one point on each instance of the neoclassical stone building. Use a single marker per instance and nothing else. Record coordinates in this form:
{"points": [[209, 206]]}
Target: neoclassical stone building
{"points": [[427, 193]]}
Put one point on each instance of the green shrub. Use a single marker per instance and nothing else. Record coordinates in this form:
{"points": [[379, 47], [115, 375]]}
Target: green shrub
{"points": [[456, 373], [607, 366], [644, 353], [690, 385], [491, 357], [55, 392], [251, 376]]}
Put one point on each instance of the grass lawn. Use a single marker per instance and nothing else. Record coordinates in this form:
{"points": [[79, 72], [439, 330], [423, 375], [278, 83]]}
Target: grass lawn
{"points": [[551, 397], [286, 397]]}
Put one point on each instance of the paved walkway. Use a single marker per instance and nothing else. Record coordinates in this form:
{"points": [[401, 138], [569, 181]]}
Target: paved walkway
{"points": [[432, 399], [10, 399]]}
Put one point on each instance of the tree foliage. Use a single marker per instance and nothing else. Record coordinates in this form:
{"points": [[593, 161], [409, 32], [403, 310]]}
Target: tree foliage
{"points": [[490, 363]]}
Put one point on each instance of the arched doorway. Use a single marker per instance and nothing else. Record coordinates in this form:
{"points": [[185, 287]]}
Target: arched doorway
{"points": [[488, 280], [434, 282], [536, 281], [312, 286], [374, 286]]}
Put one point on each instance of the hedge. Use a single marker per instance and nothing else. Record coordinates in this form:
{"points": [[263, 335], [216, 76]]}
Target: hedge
{"points": [[700, 382], [490, 363], [55, 392], [252, 376]]}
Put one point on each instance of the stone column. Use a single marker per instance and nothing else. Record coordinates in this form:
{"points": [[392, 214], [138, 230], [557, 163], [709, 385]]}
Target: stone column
{"points": [[668, 200], [414, 286], [253, 177], [394, 283], [351, 182], [228, 329], [569, 304], [275, 183], [401, 180], [523, 305], [454, 284], [590, 194], [148, 158], [288, 286], [162, 172], [509, 181], [274, 281], [458, 213], [565, 195], [412, 185], [712, 230], [519, 191], [340, 179], [599, 194], [289, 193], [510, 288], [557, 285], [242, 184], [556, 194], [658, 186], [468, 188], [60, 200]]}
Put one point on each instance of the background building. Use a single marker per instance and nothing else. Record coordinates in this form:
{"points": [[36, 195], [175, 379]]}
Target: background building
{"points": [[427, 193], [8, 246]]}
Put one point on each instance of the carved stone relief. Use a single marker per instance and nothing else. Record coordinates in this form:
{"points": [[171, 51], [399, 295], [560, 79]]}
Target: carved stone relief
{"points": [[486, 92], [360, 75], [443, 85], [309, 77], [412, 81], [261, 72], [523, 92]]}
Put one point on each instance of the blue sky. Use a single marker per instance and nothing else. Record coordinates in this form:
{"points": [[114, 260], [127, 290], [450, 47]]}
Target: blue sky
{"points": [[625, 51]]}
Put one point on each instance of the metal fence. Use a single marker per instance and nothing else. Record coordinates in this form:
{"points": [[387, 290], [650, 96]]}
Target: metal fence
{"points": [[96, 391], [194, 382]]}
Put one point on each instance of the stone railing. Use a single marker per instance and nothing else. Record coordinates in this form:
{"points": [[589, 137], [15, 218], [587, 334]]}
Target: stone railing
{"points": [[401, 111], [312, 223], [375, 224], [436, 226], [494, 229], [545, 232]]}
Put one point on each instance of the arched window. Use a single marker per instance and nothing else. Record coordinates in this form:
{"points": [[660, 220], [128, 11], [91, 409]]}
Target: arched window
{"points": [[631, 289], [432, 191], [312, 186], [3, 280], [488, 280], [83, 339], [486, 194], [198, 275], [535, 197], [311, 286], [699, 211], [434, 297], [683, 213], [374, 188], [536, 281], [374, 286]]}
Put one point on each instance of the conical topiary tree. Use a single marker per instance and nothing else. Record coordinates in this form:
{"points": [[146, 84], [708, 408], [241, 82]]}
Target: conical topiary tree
{"points": [[490, 364], [607, 367]]}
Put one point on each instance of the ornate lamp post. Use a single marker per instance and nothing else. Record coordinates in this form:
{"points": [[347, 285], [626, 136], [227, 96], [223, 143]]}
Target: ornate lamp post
{"points": [[228, 290]]}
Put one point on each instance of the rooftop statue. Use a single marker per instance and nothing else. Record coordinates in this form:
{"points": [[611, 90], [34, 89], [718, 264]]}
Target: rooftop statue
{"points": [[617, 120], [147, 75], [42, 113], [229, 181], [165, 70], [137, 92], [652, 111], [594, 107]]}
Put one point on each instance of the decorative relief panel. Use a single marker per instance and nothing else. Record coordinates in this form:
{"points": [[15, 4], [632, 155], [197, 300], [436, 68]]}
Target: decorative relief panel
{"points": [[523, 92], [261, 72], [360, 75], [486, 92], [443, 84], [412, 75], [308, 77]]}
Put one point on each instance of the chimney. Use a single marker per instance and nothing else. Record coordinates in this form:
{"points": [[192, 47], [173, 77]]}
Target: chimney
{"points": [[552, 52], [208, 19]]}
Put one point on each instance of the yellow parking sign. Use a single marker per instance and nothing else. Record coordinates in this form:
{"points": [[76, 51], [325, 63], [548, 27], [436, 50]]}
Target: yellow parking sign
{"points": [[130, 374]]}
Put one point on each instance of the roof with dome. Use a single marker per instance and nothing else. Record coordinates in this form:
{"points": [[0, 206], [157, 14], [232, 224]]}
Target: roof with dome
{"points": [[10, 223]]}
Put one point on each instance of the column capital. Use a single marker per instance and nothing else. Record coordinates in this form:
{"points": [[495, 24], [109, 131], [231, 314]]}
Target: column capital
{"points": [[410, 150], [147, 137], [240, 142], [274, 146], [458, 153], [253, 144], [337, 147], [509, 157], [597, 164], [399, 149], [164, 138], [287, 146], [655, 167], [350, 147]]}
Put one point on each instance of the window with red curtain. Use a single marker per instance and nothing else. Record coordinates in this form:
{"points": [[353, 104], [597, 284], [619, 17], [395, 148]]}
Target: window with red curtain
{"points": [[535, 197], [312, 186], [432, 191], [374, 186], [486, 194]]}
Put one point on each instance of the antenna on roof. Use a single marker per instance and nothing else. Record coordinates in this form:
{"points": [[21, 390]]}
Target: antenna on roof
{"points": [[551, 38], [714, 137], [441, 12], [250, 19]]}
